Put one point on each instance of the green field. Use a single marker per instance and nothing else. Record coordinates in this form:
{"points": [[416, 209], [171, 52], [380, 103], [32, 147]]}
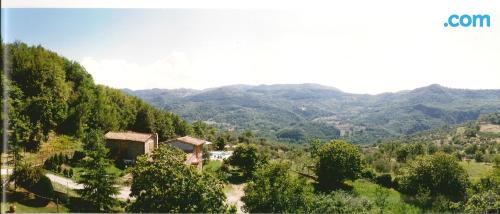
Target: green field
{"points": [[25, 205], [396, 204], [476, 170]]}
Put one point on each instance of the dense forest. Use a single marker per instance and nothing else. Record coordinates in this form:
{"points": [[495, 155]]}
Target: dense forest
{"points": [[297, 113], [49, 93]]}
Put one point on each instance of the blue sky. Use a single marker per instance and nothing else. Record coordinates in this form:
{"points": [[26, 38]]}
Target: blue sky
{"points": [[362, 50]]}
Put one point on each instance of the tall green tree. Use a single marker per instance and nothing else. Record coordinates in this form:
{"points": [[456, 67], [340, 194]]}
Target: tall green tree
{"points": [[337, 161], [247, 158], [99, 186], [163, 183]]}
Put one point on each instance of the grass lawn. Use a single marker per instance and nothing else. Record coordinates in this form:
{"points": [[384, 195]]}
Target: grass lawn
{"points": [[212, 166], [25, 205], [396, 204], [476, 170], [21, 208], [77, 171]]}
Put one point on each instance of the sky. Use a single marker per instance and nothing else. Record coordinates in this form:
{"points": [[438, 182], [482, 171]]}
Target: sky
{"points": [[357, 46]]}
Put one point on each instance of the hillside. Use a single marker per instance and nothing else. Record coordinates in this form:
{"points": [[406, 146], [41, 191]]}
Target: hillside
{"points": [[297, 112], [51, 94]]}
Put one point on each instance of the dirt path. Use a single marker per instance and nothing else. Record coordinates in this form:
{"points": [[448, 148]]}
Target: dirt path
{"points": [[234, 196]]}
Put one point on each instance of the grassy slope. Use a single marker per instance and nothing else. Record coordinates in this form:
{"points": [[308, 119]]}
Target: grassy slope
{"points": [[55, 145], [476, 170], [396, 204]]}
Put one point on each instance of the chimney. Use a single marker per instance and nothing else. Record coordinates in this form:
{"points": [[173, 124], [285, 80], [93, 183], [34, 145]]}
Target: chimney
{"points": [[156, 140]]}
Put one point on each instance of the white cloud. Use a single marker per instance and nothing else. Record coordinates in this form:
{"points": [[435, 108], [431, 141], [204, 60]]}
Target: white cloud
{"points": [[169, 72]]}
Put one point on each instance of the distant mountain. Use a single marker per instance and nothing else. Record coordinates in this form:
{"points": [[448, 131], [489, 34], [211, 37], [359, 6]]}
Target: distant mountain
{"points": [[295, 112]]}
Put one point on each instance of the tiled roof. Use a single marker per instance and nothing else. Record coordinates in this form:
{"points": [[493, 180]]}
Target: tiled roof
{"points": [[191, 140], [130, 136]]}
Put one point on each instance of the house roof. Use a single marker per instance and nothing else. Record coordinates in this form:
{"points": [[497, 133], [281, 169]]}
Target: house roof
{"points": [[130, 136], [191, 140]]}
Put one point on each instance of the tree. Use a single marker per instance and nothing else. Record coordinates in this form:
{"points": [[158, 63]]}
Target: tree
{"points": [[274, 190], [440, 174], [247, 158], [337, 161], [163, 183], [98, 185], [220, 143]]}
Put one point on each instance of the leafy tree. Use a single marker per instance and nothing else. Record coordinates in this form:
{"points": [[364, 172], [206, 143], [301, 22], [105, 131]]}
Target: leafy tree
{"points": [[274, 190], [440, 174], [98, 185], [247, 158], [337, 161], [220, 143], [163, 183]]}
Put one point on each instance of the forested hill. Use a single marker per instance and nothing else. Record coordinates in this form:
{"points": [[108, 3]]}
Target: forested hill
{"points": [[49, 93], [296, 112]]}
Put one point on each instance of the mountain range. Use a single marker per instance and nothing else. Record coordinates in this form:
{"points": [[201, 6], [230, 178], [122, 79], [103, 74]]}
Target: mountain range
{"points": [[297, 112]]}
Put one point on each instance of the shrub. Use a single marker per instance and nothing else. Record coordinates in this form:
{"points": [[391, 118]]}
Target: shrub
{"points": [[77, 156], [484, 202], [43, 187], [384, 180], [26, 175], [273, 189], [338, 202], [440, 174]]}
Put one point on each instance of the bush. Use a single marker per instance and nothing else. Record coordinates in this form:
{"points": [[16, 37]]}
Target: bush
{"points": [[273, 189], [384, 180], [484, 202], [338, 202], [368, 174], [26, 175], [440, 174], [43, 187], [77, 156]]}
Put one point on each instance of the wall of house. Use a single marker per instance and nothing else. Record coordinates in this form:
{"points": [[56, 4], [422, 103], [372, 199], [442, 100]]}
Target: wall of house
{"points": [[188, 148], [126, 149]]}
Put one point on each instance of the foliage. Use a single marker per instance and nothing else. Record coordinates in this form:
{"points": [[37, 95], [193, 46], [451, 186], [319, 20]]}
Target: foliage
{"points": [[247, 158], [338, 202], [483, 202], [438, 174], [43, 187], [337, 161], [26, 175], [98, 185], [49, 93], [165, 184], [274, 190], [381, 198]]}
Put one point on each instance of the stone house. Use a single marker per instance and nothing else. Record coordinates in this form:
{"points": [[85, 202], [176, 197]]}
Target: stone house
{"points": [[128, 145], [193, 147]]}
